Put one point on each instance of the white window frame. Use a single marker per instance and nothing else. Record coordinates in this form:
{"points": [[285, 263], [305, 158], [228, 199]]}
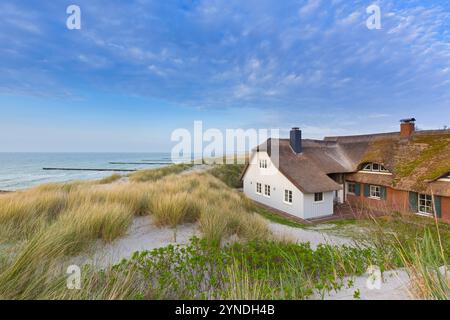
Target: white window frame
{"points": [[258, 188], [348, 188], [263, 163], [319, 201], [425, 198], [288, 194], [445, 178], [369, 168], [373, 189], [267, 190]]}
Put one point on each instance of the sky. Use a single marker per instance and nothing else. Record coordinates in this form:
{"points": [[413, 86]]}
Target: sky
{"points": [[139, 69]]}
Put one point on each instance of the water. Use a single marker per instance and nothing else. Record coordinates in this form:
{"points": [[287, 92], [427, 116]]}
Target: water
{"points": [[24, 170]]}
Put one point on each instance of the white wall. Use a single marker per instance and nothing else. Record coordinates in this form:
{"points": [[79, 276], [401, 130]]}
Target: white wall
{"points": [[318, 209], [302, 206]]}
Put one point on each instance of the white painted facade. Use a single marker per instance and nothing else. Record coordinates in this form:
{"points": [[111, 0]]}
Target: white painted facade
{"points": [[302, 206]]}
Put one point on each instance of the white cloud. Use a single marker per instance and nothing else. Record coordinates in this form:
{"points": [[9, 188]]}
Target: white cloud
{"points": [[309, 8]]}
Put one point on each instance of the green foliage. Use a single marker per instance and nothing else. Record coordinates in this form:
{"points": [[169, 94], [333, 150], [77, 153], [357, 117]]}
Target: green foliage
{"points": [[257, 269]]}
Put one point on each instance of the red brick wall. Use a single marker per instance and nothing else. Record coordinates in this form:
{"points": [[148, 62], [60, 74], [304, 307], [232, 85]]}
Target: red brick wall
{"points": [[396, 200], [445, 206]]}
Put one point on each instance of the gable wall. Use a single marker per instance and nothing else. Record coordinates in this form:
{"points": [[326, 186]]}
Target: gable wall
{"points": [[303, 205], [278, 183]]}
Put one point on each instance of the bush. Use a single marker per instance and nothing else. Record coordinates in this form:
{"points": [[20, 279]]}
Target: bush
{"points": [[262, 270]]}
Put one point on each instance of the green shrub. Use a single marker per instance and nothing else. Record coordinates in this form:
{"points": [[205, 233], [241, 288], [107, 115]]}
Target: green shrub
{"points": [[257, 269]]}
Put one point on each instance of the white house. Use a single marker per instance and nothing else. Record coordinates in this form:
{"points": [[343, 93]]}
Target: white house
{"points": [[277, 191], [289, 181]]}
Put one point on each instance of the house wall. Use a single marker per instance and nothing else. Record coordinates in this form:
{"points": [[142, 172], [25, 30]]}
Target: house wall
{"points": [[396, 200], [318, 209], [445, 203], [278, 184], [302, 206]]}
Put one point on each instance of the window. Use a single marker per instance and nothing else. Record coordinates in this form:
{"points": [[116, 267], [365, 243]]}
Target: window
{"points": [[425, 204], [267, 190], [375, 167], [288, 196], [318, 197], [375, 192], [263, 164], [352, 187], [258, 188]]}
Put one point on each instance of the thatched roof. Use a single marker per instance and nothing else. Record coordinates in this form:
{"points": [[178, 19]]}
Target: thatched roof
{"points": [[415, 163]]}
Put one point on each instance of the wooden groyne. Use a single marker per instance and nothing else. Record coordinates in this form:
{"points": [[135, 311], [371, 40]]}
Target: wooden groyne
{"points": [[90, 169]]}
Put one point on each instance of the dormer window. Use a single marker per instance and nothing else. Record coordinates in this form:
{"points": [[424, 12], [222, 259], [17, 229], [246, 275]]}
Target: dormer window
{"points": [[374, 167], [445, 178]]}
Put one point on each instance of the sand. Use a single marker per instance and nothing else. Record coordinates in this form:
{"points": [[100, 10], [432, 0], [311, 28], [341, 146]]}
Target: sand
{"points": [[142, 235], [315, 238], [394, 286]]}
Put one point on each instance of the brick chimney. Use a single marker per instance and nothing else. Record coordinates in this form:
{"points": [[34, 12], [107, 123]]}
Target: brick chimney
{"points": [[296, 140], [407, 127]]}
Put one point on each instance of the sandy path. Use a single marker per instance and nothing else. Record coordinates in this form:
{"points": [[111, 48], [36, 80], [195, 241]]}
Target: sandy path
{"points": [[142, 235], [301, 235]]}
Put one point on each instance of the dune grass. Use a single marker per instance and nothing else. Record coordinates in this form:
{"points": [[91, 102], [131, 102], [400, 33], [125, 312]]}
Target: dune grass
{"points": [[229, 173], [428, 267], [110, 179], [48, 224], [156, 174]]}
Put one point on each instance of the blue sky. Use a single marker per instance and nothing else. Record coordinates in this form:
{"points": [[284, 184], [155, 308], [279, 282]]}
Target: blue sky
{"points": [[139, 69]]}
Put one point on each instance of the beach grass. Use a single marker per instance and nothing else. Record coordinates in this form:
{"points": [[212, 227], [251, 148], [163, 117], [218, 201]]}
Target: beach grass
{"points": [[51, 223], [43, 227], [110, 179], [155, 174], [230, 174]]}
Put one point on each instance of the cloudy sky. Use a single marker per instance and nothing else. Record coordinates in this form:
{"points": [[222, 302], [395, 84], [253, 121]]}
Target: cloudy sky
{"points": [[139, 69]]}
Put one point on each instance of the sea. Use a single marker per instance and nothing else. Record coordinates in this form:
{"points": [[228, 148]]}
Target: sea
{"points": [[25, 170]]}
